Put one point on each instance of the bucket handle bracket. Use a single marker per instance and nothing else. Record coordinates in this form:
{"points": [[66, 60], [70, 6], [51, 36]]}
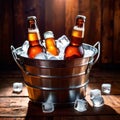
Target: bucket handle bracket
{"points": [[17, 60], [97, 44]]}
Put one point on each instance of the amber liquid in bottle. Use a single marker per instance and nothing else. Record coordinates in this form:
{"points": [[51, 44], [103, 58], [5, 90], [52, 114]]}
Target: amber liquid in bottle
{"points": [[50, 43], [33, 38], [75, 48]]}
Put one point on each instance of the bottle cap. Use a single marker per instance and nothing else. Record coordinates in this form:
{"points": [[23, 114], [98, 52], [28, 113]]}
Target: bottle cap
{"points": [[81, 16], [31, 17], [48, 34]]}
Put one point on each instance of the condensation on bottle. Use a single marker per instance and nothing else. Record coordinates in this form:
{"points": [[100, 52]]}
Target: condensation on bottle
{"points": [[34, 38], [50, 43], [75, 48]]}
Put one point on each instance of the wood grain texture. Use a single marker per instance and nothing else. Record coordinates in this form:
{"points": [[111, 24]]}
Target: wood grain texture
{"points": [[18, 106], [102, 24], [116, 45], [55, 17], [107, 31], [71, 10], [6, 31]]}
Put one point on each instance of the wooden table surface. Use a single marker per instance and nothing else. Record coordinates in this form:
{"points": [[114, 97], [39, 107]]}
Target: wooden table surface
{"points": [[16, 106]]}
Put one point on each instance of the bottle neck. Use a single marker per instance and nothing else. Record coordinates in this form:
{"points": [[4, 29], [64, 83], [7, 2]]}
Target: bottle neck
{"points": [[34, 43], [50, 42], [77, 37], [78, 31], [33, 31], [33, 35]]}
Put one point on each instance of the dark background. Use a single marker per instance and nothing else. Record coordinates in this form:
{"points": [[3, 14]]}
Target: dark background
{"points": [[102, 24]]}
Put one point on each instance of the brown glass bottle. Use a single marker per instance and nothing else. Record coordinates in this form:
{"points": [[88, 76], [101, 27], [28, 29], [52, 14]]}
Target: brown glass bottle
{"points": [[75, 48], [33, 38], [50, 43]]}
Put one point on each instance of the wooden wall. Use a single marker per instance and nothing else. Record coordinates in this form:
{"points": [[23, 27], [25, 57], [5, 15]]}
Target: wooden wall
{"points": [[102, 23]]}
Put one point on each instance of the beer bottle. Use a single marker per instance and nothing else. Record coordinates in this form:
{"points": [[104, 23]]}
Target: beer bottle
{"points": [[75, 48], [50, 43], [33, 37]]}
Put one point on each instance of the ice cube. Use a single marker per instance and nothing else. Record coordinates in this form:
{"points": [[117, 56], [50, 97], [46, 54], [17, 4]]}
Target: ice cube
{"points": [[17, 87], [106, 88], [62, 43], [95, 93], [61, 56], [43, 43], [52, 57], [47, 107], [88, 53], [80, 105], [25, 46], [98, 101], [41, 56], [24, 54]]}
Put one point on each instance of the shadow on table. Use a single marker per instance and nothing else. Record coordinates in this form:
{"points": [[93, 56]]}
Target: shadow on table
{"points": [[35, 112]]}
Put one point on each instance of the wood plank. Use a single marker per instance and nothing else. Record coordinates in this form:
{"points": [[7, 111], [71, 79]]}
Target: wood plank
{"points": [[6, 32], [55, 17], [94, 22], [85, 9], [107, 31], [19, 23], [69, 111], [104, 75], [58, 15], [71, 10], [10, 77], [23, 9], [105, 117], [9, 118], [102, 117], [92, 11], [35, 8], [14, 105], [116, 42], [21, 106]]}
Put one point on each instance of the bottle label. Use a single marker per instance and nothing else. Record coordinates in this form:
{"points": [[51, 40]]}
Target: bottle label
{"points": [[79, 33], [33, 34]]}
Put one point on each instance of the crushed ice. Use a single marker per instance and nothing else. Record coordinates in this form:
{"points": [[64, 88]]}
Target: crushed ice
{"points": [[62, 42]]}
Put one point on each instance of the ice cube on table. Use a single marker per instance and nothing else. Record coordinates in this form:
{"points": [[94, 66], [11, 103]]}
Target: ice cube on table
{"points": [[106, 88], [47, 107], [17, 87], [98, 101], [80, 105], [95, 93]]}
